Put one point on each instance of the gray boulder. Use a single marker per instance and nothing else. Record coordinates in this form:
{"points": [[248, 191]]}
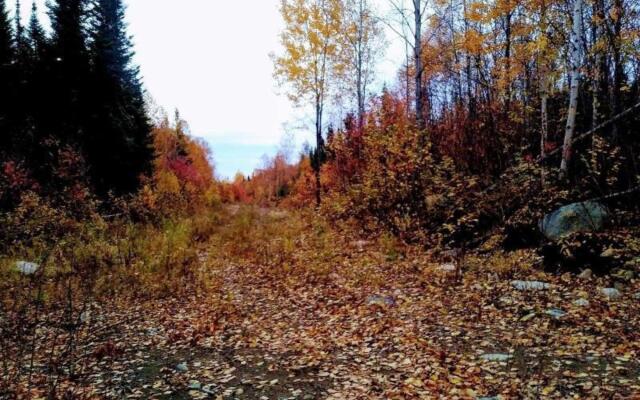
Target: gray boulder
{"points": [[588, 216], [611, 293], [27, 268], [529, 285]]}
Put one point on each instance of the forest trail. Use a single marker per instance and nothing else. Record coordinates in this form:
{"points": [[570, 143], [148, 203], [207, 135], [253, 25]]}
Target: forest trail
{"points": [[374, 326]]}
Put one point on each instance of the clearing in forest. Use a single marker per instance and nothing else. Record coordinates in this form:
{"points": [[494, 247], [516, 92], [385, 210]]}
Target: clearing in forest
{"points": [[294, 309]]}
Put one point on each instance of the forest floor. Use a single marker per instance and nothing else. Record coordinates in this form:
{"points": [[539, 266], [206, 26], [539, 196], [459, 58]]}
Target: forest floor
{"points": [[312, 313]]}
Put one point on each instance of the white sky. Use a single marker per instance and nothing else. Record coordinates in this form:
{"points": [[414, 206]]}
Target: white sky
{"points": [[210, 59]]}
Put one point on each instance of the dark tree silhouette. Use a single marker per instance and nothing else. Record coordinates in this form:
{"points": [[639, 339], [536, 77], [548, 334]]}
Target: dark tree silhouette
{"points": [[6, 60], [119, 146]]}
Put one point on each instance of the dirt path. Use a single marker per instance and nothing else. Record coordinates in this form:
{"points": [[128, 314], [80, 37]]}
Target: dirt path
{"points": [[317, 340], [337, 318]]}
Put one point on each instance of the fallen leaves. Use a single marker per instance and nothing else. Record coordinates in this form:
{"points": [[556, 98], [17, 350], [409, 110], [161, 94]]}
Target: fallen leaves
{"points": [[271, 334]]}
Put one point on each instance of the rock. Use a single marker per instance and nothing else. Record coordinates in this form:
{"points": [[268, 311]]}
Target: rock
{"points": [[555, 313], [209, 389], [496, 357], [182, 367], [152, 331], [85, 316], [384, 301], [611, 293], [586, 274], [530, 285], [27, 268], [447, 267], [589, 216], [581, 303]]}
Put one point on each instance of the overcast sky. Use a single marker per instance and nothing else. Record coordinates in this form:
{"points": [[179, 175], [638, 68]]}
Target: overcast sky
{"points": [[210, 59]]}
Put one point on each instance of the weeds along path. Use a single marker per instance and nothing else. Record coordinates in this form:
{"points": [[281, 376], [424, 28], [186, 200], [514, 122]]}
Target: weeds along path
{"points": [[292, 309]]}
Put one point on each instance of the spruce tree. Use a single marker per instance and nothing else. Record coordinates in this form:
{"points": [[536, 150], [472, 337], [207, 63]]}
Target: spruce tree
{"points": [[32, 62], [6, 68], [68, 90], [119, 150], [6, 39], [36, 36], [22, 107]]}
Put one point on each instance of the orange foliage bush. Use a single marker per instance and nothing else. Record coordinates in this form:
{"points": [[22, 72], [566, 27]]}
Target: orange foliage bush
{"points": [[183, 178]]}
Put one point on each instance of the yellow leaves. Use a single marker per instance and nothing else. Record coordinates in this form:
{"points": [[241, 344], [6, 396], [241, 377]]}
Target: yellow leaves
{"points": [[476, 12], [614, 14], [415, 382], [310, 41], [167, 183], [473, 42], [548, 390]]}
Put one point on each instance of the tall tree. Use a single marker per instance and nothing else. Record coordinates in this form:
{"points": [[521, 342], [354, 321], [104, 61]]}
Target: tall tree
{"points": [[413, 20], [36, 36], [69, 64], [6, 60], [363, 37], [311, 45], [119, 145], [575, 54]]}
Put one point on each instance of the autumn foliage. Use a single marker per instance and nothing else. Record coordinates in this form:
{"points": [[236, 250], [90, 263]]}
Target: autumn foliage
{"points": [[183, 178]]}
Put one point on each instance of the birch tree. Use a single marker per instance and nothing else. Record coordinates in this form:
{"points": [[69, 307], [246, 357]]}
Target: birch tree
{"points": [[311, 42], [575, 53], [413, 19], [363, 41]]}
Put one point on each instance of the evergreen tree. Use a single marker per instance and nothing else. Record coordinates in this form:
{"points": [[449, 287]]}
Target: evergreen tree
{"points": [[119, 149], [36, 36], [31, 61], [6, 68], [19, 38], [68, 90], [22, 106]]}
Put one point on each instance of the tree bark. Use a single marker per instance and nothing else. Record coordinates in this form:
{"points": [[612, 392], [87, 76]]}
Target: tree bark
{"points": [[417, 53], [319, 149], [618, 72], [575, 54]]}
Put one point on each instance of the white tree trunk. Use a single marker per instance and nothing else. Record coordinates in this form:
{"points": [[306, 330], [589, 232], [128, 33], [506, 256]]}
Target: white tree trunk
{"points": [[576, 60], [417, 52]]}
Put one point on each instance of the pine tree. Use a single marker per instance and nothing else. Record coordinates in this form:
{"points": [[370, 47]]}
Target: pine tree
{"points": [[22, 107], [119, 150], [69, 71], [36, 36], [6, 37], [31, 62], [6, 60]]}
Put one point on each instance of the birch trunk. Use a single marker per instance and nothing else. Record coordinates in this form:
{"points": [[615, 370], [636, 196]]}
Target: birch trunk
{"points": [[417, 53], [576, 53]]}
